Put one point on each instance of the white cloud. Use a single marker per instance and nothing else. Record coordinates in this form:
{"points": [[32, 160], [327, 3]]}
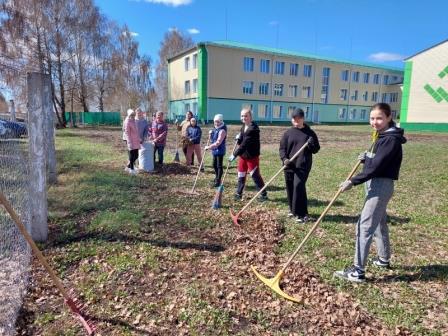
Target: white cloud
{"points": [[193, 31], [173, 3], [385, 57], [173, 29]]}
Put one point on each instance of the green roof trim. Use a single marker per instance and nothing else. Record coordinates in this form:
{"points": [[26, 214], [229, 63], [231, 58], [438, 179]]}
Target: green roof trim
{"points": [[284, 52]]}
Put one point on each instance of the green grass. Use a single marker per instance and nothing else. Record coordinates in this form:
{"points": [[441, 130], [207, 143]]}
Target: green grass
{"points": [[118, 233]]}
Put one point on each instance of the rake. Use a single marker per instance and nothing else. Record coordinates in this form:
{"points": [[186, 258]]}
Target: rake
{"points": [[236, 216], [176, 156], [274, 283], [217, 201], [74, 307], [199, 169]]}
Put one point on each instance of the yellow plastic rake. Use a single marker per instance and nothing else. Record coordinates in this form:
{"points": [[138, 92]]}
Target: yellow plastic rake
{"points": [[274, 283]]}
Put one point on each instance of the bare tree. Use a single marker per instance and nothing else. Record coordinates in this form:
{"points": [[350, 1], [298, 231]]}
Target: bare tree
{"points": [[173, 42]]}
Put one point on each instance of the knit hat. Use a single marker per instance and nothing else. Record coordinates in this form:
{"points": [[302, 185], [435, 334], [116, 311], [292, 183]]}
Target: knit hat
{"points": [[130, 111], [218, 117]]}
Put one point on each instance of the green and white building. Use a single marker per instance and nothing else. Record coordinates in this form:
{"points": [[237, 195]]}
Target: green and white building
{"points": [[425, 90], [223, 77]]}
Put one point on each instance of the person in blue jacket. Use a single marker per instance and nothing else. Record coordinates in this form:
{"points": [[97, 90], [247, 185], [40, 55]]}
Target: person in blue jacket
{"points": [[381, 167], [218, 136], [194, 134]]}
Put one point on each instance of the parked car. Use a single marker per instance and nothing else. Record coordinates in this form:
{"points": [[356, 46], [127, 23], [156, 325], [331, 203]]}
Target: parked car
{"points": [[12, 129]]}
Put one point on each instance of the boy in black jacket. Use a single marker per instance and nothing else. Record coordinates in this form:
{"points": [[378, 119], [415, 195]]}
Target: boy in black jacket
{"points": [[296, 172], [249, 153]]}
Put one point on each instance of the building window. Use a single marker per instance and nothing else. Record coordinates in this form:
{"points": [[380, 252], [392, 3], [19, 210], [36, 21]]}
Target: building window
{"points": [[393, 114], [186, 107], [294, 69], [278, 90], [263, 111], [248, 87], [386, 79], [265, 65], [278, 111], [375, 96], [307, 70], [195, 108], [352, 114], [263, 89], [341, 114], [384, 98], [195, 61], [365, 96], [363, 114], [376, 79], [344, 75], [306, 91], [355, 76], [187, 63], [366, 78], [187, 87], [195, 85], [248, 64], [344, 94], [290, 111], [307, 113], [393, 97], [325, 85], [354, 96], [292, 91], [279, 68]]}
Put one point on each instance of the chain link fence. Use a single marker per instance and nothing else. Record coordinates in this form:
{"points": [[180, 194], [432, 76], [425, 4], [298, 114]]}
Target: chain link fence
{"points": [[15, 254]]}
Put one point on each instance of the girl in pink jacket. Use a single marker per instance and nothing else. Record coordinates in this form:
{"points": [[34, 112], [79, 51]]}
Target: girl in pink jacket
{"points": [[132, 140]]}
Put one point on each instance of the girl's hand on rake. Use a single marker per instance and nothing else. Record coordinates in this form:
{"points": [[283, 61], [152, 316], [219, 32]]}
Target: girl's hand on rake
{"points": [[346, 185]]}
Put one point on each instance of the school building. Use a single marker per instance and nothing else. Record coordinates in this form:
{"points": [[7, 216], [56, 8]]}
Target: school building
{"points": [[425, 90], [222, 77]]}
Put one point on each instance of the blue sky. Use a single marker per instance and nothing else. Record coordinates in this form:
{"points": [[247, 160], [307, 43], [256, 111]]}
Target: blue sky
{"points": [[378, 31]]}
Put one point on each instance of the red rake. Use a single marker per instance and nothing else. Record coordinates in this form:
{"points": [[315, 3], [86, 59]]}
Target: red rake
{"points": [[74, 307], [217, 201], [236, 216]]}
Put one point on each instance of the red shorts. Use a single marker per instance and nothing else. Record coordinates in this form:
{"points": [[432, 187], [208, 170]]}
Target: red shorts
{"points": [[250, 165]]}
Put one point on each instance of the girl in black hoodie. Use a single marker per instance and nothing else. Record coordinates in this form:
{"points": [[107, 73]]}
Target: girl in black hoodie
{"points": [[381, 168]]}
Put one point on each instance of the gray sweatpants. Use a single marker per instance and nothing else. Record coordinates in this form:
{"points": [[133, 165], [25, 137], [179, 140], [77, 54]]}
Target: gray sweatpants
{"points": [[372, 222]]}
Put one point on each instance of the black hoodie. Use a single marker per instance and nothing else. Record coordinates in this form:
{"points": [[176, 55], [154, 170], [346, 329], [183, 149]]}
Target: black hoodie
{"points": [[385, 159], [249, 142], [292, 140]]}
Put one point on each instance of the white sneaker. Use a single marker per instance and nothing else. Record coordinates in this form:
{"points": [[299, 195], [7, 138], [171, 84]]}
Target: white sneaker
{"points": [[126, 169], [132, 172]]}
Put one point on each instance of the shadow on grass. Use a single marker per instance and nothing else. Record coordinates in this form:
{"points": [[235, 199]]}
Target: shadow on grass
{"points": [[118, 323], [391, 220], [417, 273], [118, 237], [311, 202]]}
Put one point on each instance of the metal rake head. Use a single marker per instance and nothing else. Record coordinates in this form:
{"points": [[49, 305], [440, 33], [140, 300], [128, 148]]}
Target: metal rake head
{"points": [[235, 217]]}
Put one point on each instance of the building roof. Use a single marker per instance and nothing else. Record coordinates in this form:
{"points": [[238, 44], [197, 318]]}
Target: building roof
{"points": [[284, 52], [425, 50]]}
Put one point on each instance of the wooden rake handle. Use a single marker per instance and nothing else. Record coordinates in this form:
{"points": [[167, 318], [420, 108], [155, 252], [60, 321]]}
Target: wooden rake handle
{"points": [[34, 247], [200, 166], [272, 178], [314, 227], [228, 164]]}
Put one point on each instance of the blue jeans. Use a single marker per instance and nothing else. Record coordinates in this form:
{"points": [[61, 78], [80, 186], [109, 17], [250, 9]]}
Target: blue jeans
{"points": [[372, 222], [159, 149]]}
